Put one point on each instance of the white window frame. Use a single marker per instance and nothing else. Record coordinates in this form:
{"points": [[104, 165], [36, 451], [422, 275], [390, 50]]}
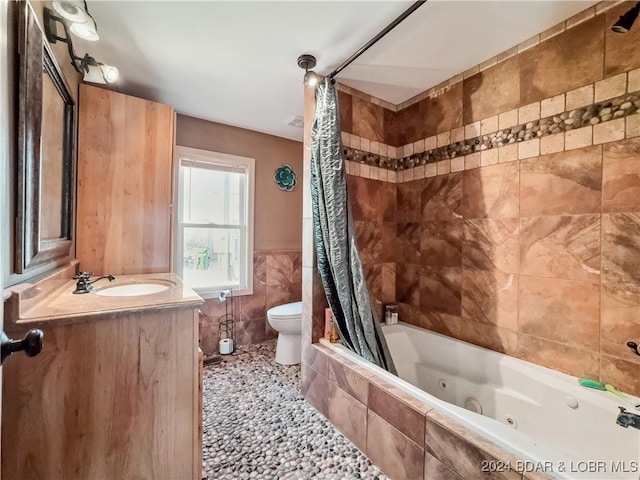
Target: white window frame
{"points": [[214, 158]]}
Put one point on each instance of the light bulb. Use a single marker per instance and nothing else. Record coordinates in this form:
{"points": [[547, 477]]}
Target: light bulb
{"points": [[101, 73], [110, 73], [86, 30], [71, 10]]}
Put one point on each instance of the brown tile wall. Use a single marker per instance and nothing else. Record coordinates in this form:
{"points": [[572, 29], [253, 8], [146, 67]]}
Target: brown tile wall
{"points": [[492, 91], [373, 207], [277, 279], [533, 258], [534, 254]]}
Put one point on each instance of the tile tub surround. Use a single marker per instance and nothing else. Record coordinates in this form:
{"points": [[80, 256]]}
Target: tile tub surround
{"points": [[504, 256], [401, 434], [256, 424], [277, 279], [517, 219], [373, 208], [485, 227]]}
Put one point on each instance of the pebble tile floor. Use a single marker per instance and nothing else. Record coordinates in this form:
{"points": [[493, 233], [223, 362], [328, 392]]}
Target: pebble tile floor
{"points": [[256, 425]]}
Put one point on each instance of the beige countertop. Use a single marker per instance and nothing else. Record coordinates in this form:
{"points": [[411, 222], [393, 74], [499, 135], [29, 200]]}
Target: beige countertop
{"points": [[58, 302]]}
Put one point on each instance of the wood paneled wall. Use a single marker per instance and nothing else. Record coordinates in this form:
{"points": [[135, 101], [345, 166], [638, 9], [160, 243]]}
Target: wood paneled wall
{"points": [[125, 149]]}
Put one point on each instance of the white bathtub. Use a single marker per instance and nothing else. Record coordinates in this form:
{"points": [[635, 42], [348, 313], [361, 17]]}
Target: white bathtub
{"points": [[541, 415]]}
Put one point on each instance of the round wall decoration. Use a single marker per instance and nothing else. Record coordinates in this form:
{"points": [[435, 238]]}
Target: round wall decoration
{"points": [[285, 177]]}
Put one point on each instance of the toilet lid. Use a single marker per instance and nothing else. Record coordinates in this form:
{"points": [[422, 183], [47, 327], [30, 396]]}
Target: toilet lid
{"points": [[288, 310]]}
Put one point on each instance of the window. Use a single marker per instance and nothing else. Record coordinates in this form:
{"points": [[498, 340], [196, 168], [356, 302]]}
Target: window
{"points": [[214, 221]]}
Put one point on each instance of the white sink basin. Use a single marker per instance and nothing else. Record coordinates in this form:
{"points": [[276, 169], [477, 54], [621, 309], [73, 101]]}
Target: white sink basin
{"points": [[132, 290]]}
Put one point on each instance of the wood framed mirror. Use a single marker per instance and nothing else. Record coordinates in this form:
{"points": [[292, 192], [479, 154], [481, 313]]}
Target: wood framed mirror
{"points": [[45, 150]]}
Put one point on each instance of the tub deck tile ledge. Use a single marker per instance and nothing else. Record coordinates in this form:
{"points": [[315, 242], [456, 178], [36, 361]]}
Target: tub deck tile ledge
{"points": [[501, 456]]}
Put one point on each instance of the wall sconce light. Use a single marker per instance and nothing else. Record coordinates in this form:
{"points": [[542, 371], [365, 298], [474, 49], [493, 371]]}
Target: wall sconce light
{"points": [[307, 61], [625, 22], [97, 72], [76, 15], [81, 23]]}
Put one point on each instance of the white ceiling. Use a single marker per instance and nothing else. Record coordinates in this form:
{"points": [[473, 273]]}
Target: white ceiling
{"points": [[234, 62]]}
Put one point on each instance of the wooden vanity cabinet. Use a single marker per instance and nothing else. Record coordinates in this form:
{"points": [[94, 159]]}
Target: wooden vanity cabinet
{"points": [[107, 398], [125, 154]]}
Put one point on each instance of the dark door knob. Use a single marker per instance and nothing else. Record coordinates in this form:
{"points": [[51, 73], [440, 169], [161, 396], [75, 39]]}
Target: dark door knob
{"points": [[31, 344]]}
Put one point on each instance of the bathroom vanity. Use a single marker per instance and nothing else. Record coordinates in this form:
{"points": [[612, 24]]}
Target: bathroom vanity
{"points": [[115, 392]]}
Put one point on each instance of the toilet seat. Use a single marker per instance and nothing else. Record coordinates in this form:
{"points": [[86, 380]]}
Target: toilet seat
{"points": [[288, 310]]}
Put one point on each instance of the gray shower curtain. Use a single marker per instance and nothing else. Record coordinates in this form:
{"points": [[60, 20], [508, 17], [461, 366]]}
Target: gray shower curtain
{"points": [[338, 259]]}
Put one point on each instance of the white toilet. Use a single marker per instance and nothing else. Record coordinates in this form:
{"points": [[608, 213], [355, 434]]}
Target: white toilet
{"points": [[287, 321]]}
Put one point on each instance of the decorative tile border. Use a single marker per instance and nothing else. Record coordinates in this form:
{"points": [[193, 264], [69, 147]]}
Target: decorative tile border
{"points": [[371, 159], [574, 120], [569, 121]]}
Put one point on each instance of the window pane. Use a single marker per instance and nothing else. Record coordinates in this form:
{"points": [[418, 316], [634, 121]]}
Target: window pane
{"points": [[211, 257], [211, 196], [214, 221]]}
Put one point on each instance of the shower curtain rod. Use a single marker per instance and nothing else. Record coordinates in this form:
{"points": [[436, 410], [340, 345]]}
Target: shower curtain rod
{"points": [[371, 42]]}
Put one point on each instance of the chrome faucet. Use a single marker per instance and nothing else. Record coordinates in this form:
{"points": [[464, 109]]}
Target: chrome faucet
{"points": [[628, 419], [84, 285]]}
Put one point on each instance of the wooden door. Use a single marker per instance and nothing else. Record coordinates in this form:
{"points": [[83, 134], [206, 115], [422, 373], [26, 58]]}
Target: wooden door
{"points": [[125, 149], [4, 154]]}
